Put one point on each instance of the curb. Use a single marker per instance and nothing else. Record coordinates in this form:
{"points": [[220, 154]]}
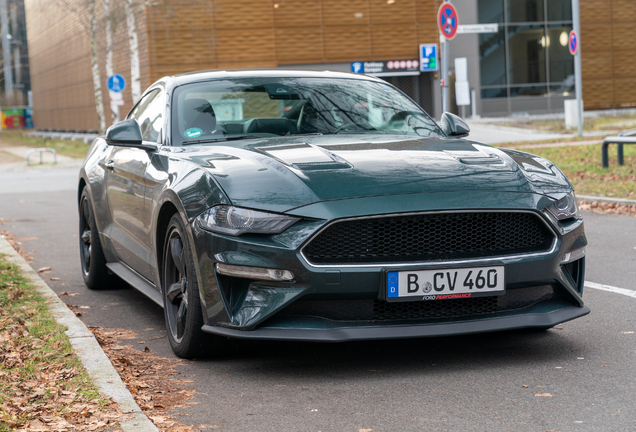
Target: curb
{"points": [[97, 364], [621, 201]]}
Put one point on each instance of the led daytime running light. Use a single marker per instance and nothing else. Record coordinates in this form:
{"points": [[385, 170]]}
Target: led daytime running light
{"points": [[255, 272]]}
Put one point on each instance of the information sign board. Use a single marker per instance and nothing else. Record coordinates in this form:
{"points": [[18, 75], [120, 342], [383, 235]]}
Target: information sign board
{"points": [[428, 58]]}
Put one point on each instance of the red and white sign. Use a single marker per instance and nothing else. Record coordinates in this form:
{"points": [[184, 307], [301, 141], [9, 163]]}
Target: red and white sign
{"points": [[573, 43], [447, 20]]}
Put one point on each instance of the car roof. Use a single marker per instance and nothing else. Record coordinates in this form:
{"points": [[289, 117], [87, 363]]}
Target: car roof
{"points": [[192, 77]]}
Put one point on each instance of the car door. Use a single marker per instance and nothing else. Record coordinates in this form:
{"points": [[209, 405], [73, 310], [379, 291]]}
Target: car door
{"points": [[126, 187]]}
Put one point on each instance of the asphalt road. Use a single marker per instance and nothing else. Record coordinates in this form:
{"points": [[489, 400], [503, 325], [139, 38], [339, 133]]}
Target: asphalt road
{"points": [[475, 383]]}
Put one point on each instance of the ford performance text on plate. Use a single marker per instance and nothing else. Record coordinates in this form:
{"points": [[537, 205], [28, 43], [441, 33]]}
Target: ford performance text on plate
{"points": [[323, 206]]}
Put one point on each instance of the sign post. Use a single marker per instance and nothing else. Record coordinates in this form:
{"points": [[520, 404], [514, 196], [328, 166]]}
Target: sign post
{"points": [[116, 84], [575, 49], [448, 22]]}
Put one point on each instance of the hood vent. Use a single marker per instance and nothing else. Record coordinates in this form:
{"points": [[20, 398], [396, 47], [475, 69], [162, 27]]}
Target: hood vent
{"points": [[306, 157]]}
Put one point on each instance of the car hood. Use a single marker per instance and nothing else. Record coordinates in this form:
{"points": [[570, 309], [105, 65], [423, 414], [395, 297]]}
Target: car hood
{"points": [[281, 174]]}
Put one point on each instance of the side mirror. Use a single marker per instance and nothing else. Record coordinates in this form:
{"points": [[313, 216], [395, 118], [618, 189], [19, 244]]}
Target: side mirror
{"points": [[454, 126], [124, 132]]}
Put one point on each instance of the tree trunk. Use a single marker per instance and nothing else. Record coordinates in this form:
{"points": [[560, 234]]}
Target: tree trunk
{"points": [[114, 114], [97, 81], [135, 83]]}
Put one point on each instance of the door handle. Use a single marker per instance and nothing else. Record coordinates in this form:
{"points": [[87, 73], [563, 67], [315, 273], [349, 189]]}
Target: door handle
{"points": [[110, 165]]}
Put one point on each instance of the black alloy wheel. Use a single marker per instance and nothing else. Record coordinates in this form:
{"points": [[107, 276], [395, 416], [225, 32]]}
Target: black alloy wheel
{"points": [[96, 274], [182, 307]]}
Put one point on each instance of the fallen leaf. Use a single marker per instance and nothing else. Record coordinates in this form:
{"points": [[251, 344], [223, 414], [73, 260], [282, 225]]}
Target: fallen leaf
{"points": [[544, 395], [44, 269]]}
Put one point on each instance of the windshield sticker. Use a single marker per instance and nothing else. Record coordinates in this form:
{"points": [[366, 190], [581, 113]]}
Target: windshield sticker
{"points": [[193, 133]]}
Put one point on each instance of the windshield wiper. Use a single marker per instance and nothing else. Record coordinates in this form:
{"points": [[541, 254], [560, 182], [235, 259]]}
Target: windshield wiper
{"points": [[226, 138]]}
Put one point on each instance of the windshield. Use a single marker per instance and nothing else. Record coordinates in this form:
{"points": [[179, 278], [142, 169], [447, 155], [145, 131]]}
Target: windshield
{"points": [[240, 108]]}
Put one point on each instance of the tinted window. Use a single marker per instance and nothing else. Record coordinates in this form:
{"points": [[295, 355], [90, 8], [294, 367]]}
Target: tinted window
{"points": [[149, 115]]}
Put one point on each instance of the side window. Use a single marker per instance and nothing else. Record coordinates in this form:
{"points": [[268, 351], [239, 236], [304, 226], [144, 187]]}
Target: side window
{"points": [[149, 115]]}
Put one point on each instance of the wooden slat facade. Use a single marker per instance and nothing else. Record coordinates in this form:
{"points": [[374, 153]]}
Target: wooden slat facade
{"points": [[59, 58], [178, 36], [608, 32]]}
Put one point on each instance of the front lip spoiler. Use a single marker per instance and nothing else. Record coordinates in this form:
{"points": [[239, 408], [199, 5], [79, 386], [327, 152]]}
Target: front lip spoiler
{"points": [[539, 320]]}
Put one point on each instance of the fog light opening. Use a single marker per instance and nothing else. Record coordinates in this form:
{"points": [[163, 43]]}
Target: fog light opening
{"points": [[254, 272], [573, 256]]}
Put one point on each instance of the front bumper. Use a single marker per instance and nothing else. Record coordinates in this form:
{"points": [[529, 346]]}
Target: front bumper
{"points": [[249, 309], [342, 334]]}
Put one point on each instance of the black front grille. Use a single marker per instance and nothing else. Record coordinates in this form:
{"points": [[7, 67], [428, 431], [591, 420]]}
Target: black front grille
{"points": [[425, 237], [430, 310]]}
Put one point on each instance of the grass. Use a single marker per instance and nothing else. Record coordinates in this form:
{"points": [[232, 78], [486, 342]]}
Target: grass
{"points": [[75, 149], [582, 166], [41, 379], [601, 123]]}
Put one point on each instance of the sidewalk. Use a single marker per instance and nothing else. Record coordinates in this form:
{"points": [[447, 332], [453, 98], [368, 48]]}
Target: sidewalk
{"points": [[15, 158]]}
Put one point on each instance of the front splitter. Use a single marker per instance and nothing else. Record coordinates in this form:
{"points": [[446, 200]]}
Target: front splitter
{"points": [[344, 334]]}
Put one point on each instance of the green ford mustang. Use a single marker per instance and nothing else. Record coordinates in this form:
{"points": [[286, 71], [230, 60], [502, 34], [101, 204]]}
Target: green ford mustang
{"points": [[322, 206]]}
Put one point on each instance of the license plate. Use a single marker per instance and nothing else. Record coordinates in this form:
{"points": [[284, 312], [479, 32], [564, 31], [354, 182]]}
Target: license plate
{"points": [[444, 284]]}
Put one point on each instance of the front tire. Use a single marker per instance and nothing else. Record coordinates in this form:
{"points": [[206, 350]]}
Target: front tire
{"points": [[96, 274], [182, 306]]}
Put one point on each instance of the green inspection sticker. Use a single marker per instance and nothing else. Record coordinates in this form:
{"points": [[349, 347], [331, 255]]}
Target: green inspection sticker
{"points": [[193, 133]]}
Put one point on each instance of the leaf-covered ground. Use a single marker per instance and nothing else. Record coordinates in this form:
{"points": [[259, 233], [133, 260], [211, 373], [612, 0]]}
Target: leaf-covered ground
{"points": [[43, 385]]}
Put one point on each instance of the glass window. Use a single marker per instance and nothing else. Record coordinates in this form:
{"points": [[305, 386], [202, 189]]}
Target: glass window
{"points": [[231, 109], [527, 54], [559, 10], [492, 58], [525, 10], [491, 11], [566, 88], [149, 114], [561, 61], [496, 92], [528, 91]]}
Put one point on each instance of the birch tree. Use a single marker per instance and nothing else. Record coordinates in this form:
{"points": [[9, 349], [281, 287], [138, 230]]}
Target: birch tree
{"points": [[133, 43], [108, 27], [79, 9], [97, 80]]}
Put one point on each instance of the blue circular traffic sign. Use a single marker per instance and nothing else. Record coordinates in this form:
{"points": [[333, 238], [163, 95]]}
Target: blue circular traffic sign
{"points": [[573, 43], [116, 83], [447, 20]]}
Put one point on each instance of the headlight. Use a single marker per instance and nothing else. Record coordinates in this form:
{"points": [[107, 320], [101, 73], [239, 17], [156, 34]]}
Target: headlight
{"points": [[236, 221], [565, 208]]}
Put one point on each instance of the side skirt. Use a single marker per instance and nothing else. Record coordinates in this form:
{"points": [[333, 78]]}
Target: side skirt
{"points": [[136, 281]]}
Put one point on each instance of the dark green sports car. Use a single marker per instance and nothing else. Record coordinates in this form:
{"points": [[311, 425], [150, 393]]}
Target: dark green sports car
{"points": [[322, 206]]}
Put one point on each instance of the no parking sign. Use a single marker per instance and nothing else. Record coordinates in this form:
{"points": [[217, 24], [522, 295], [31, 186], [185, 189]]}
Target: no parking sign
{"points": [[447, 20], [573, 43]]}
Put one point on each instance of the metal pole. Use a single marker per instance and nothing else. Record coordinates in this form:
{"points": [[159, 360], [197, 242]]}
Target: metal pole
{"points": [[576, 18], [445, 77], [6, 53]]}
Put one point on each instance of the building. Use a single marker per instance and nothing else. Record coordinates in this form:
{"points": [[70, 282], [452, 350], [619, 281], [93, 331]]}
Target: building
{"points": [[524, 67], [14, 93]]}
